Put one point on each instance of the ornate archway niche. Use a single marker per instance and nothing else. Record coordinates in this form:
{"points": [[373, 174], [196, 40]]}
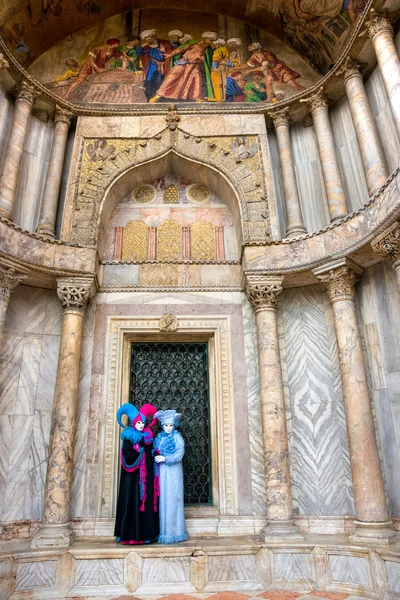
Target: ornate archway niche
{"points": [[110, 167]]}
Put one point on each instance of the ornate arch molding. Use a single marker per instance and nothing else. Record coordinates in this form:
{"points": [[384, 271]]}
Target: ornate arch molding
{"points": [[103, 162]]}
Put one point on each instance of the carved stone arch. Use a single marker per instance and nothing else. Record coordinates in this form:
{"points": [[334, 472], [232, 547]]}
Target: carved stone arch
{"points": [[103, 181]]}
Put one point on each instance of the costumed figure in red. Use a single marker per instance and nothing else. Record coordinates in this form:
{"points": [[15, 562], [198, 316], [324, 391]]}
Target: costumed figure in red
{"points": [[137, 508]]}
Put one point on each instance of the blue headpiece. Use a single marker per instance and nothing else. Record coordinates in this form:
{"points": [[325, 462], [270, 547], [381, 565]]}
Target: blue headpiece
{"points": [[168, 416]]}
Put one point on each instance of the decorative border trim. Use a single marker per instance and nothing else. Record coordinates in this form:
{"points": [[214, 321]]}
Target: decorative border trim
{"points": [[222, 403], [176, 288]]}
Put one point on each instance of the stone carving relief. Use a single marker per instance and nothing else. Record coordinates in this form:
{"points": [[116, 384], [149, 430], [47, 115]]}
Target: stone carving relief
{"points": [[387, 244], [74, 293], [263, 291], [103, 161], [168, 323]]}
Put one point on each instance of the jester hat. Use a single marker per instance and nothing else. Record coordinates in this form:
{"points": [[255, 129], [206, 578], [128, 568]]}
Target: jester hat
{"points": [[134, 415]]}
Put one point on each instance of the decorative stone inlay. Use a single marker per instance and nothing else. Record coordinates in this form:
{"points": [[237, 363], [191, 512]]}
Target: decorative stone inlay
{"points": [[63, 116], [196, 192], [339, 282], [4, 64], [74, 293], [263, 291], [99, 168], [144, 193], [388, 243], [168, 323], [280, 117], [317, 100]]}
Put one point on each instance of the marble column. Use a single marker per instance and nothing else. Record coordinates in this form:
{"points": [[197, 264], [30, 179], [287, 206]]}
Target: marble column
{"points": [[372, 154], [10, 276], [380, 32], [373, 524], [263, 293], [295, 224], [48, 209], [387, 245], [15, 147], [318, 106], [55, 529]]}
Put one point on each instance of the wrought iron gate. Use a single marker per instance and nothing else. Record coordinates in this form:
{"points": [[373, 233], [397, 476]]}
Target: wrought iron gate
{"points": [[175, 375]]}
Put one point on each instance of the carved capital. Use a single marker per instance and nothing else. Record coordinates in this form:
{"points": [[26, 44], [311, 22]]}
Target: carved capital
{"points": [[377, 24], [63, 116], [26, 92], [387, 244], [74, 293], [10, 277], [280, 117], [317, 100], [4, 64], [263, 291], [349, 69], [340, 282]]}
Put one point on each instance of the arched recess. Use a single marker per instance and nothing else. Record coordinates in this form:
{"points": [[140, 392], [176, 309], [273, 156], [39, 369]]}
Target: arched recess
{"points": [[159, 167]]}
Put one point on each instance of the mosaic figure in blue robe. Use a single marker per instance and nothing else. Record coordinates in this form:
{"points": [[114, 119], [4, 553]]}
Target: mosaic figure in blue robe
{"points": [[168, 450]]}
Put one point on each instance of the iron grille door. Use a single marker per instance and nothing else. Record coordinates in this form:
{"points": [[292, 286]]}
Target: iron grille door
{"points": [[175, 375]]}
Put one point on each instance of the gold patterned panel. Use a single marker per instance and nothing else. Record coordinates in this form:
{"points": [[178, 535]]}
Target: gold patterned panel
{"points": [[169, 241], [144, 193], [171, 194], [135, 241], [202, 241]]}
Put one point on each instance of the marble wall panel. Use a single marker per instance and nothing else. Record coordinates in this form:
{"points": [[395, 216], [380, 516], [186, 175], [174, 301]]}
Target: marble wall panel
{"points": [[32, 175], [232, 568], [393, 573], [277, 181], [99, 572], [378, 303], [349, 569], [165, 570], [292, 566], [40, 574], [6, 118], [65, 178], [316, 428]]}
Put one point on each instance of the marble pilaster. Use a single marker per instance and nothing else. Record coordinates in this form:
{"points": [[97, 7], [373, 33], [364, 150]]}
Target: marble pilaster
{"points": [[55, 530], [372, 154], [373, 524], [295, 224], [380, 32], [10, 276], [263, 293], [48, 209], [387, 245], [15, 147], [318, 106]]}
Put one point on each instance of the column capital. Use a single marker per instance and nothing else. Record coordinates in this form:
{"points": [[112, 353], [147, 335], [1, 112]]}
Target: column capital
{"points": [[4, 64], [11, 275], [280, 116], [26, 92], [350, 68], [387, 244], [317, 100], [340, 278], [63, 116], [75, 292], [376, 24], [263, 290]]}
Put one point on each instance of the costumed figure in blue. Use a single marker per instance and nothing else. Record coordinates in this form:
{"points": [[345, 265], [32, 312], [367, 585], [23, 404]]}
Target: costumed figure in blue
{"points": [[152, 54], [169, 449], [137, 519]]}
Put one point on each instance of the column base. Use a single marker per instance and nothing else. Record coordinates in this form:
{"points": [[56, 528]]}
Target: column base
{"points": [[277, 531], [53, 536], [296, 231], [45, 231], [375, 534]]}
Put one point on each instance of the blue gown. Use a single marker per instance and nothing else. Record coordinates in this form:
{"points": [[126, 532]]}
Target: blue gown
{"points": [[171, 508]]}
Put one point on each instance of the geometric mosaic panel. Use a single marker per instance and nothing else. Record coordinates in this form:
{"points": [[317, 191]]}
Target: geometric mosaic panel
{"points": [[169, 241], [202, 241], [135, 241]]}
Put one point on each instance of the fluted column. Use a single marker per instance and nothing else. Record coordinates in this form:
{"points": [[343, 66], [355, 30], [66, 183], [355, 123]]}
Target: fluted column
{"points": [[380, 32], [10, 276], [55, 530], [48, 209], [263, 293], [387, 245], [295, 224], [318, 106], [373, 524], [372, 155], [15, 147]]}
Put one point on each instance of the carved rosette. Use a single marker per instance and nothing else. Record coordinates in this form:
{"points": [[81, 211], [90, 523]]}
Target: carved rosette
{"points": [[387, 244], [317, 100], [4, 64], [377, 24], [263, 291], [280, 117], [74, 293], [63, 116], [340, 283], [349, 69], [10, 277], [27, 93]]}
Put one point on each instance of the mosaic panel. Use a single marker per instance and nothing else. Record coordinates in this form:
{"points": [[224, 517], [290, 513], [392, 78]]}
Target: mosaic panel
{"points": [[169, 241], [202, 241], [135, 241]]}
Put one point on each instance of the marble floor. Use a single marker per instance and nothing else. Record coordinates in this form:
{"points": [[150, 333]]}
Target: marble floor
{"points": [[268, 595]]}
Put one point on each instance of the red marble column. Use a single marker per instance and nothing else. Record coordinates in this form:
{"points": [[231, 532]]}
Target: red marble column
{"points": [[118, 241], [152, 243], [219, 243], [185, 243]]}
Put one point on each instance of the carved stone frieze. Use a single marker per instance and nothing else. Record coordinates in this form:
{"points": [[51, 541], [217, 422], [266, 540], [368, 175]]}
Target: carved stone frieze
{"points": [[387, 244], [102, 161], [262, 290], [74, 292], [317, 100]]}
